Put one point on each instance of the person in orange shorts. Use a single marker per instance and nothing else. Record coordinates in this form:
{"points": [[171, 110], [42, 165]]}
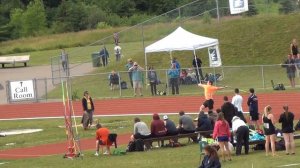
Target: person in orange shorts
{"points": [[209, 91], [102, 139]]}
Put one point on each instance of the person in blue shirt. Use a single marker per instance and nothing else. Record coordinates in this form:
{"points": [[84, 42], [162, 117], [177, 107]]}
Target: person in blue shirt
{"points": [[104, 55], [177, 65], [137, 78], [174, 75], [253, 108]]}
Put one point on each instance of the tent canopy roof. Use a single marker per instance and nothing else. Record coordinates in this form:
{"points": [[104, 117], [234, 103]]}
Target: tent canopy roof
{"points": [[181, 40]]}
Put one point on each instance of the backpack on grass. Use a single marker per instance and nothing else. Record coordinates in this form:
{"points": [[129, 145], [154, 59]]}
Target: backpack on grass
{"points": [[124, 85]]}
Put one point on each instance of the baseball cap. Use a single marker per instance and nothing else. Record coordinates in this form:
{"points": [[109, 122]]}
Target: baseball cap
{"points": [[165, 117]]}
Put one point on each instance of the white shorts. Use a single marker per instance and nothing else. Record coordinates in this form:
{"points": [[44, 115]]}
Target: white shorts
{"points": [[137, 84]]}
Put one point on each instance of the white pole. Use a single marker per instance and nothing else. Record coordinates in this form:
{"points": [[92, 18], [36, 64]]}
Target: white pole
{"points": [[146, 66], [197, 66]]}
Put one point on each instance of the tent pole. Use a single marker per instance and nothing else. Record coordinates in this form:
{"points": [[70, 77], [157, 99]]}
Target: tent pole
{"points": [[199, 77], [146, 69]]}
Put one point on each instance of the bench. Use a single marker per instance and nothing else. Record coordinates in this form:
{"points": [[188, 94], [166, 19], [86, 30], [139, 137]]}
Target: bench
{"points": [[14, 59], [178, 136]]}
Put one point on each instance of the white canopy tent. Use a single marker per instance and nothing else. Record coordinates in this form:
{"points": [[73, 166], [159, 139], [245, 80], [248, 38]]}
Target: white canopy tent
{"points": [[182, 40]]}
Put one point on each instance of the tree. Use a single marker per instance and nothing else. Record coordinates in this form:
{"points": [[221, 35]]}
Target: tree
{"points": [[287, 6], [252, 8], [34, 19], [16, 22]]}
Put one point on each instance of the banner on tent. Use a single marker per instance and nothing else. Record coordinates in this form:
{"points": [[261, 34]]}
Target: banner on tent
{"points": [[238, 6], [214, 56]]}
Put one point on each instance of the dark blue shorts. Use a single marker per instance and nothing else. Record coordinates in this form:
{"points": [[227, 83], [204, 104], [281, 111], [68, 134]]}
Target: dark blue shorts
{"points": [[223, 139]]}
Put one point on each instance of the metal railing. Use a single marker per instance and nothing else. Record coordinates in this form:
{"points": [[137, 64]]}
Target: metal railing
{"points": [[98, 84]]}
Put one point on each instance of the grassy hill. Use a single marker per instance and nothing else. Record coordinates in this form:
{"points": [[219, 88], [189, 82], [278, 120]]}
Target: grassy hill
{"points": [[263, 39]]}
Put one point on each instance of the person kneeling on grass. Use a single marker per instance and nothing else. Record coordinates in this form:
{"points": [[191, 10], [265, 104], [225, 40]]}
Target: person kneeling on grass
{"points": [[211, 158], [102, 140]]}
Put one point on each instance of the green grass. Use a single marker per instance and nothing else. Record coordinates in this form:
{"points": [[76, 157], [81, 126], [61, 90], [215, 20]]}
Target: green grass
{"points": [[187, 156], [52, 133]]}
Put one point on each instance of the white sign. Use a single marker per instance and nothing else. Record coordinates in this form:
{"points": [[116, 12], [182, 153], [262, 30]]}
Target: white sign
{"points": [[22, 90], [214, 56], [238, 6]]}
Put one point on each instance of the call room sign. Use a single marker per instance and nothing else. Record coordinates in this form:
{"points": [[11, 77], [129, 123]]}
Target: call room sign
{"points": [[22, 90]]}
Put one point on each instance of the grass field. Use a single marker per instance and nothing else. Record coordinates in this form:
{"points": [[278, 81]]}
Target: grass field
{"points": [[187, 156]]}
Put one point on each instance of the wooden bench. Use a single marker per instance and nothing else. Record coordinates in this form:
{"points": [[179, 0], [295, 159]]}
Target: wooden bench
{"points": [[178, 136], [14, 59]]}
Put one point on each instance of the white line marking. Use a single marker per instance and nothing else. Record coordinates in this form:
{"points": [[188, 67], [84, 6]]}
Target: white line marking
{"points": [[289, 165], [3, 163]]}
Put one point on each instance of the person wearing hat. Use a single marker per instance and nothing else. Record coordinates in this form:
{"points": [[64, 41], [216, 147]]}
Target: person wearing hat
{"points": [[88, 110], [241, 130], [137, 78], [170, 126]]}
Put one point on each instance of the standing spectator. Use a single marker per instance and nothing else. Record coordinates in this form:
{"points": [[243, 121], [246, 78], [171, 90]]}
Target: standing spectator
{"points": [[140, 130], [177, 65], [204, 123], [118, 53], [104, 55], [128, 66], [158, 128], [174, 75], [64, 60], [269, 129], [294, 48], [102, 139], [152, 80], [222, 134], [211, 158], [287, 124], [116, 38], [229, 110], [209, 91], [290, 66], [240, 129], [197, 64], [297, 62], [137, 78], [186, 124], [253, 108], [237, 101], [170, 126], [88, 110], [113, 80]]}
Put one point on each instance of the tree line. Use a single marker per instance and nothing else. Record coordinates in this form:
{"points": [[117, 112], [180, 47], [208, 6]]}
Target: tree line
{"points": [[23, 18]]}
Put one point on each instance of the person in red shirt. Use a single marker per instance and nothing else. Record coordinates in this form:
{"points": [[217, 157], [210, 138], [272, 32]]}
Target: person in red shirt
{"points": [[158, 128], [102, 140], [209, 91], [222, 134]]}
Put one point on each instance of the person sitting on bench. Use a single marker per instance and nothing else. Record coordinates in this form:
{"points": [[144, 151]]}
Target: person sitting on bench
{"points": [[186, 124], [170, 126], [204, 123], [158, 128], [140, 130]]}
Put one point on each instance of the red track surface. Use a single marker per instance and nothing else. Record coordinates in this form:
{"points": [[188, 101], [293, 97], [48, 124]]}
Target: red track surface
{"points": [[128, 106]]}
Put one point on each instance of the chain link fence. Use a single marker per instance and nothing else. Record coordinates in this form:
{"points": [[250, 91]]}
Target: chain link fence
{"points": [[99, 84]]}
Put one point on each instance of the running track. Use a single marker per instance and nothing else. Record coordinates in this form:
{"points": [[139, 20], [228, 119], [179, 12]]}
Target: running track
{"points": [[123, 107]]}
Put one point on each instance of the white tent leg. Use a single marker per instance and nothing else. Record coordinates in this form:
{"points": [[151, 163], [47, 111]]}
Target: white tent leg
{"points": [[146, 70], [199, 77]]}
